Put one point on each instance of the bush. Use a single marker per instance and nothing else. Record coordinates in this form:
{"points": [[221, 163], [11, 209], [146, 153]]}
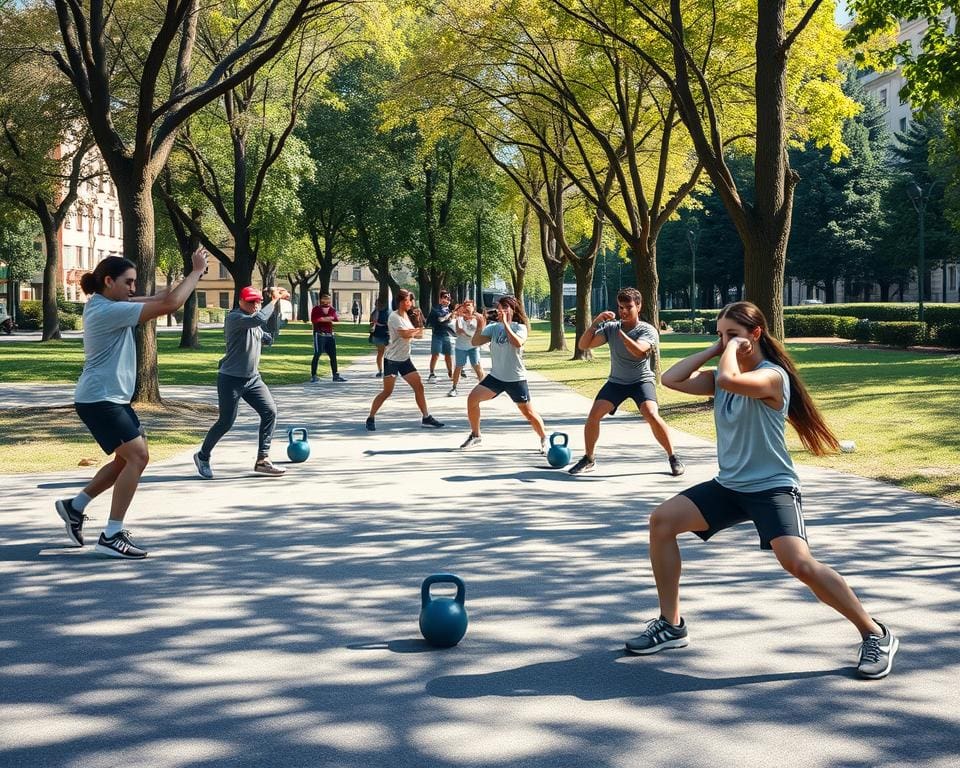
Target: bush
{"points": [[31, 316], [70, 322], [942, 314], [862, 330], [847, 327], [898, 334], [687, 326], [810, 325], [710, 326], [684, 314], [873, 311], [946, 335]]}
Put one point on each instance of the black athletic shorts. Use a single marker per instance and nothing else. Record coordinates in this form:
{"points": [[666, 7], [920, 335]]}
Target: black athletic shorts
{"points": [[775, 512], [395, 368], [518, 391], [617, 393], [111, 424]]}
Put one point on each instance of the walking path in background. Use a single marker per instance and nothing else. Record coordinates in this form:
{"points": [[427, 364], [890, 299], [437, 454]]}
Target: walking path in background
{"points": [[275, 621]]}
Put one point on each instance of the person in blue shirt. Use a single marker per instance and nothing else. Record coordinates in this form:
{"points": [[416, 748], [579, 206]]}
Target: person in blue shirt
{"points": [[756, 391]]}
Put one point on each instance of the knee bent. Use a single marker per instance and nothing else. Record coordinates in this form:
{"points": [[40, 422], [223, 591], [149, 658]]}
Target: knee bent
{"points": [[802, 568]]}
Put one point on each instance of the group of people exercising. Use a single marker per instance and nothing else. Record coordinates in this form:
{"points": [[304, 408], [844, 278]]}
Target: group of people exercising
{"points": [[755, 386]]}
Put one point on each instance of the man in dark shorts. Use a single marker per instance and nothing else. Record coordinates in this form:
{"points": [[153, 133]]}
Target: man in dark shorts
{"points": [[632, 342]]}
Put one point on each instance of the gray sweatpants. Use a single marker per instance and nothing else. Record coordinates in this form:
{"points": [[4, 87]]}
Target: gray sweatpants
{"points": [[230, 389]]}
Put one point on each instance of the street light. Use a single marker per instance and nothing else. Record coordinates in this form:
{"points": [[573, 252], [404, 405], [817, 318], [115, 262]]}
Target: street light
{"points": [[693, 239], [920, 197]]}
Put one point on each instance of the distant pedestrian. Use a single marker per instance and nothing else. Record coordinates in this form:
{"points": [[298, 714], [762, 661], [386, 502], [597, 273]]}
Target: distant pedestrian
{"points": [[239, 378], [356, 310], [105, 389], [323, 316]]}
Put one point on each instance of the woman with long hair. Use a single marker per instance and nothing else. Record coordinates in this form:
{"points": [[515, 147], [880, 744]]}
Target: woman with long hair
{"points": [[404, 325], [379, 334], [105, 389], [507, 371], [756, 390]]}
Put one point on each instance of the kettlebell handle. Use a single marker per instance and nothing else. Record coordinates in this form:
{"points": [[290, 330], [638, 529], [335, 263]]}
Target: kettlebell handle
{"points": [[293, 430], [442, 578], [558, 435]]}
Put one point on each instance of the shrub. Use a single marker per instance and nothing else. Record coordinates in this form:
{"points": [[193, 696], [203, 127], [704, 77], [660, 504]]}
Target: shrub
{"points": [[862, 330], [946, 335], [810, 325], [942, 314], [688, 326], [31, 316], [710, 326], [847, 327], [873, 311], [898, 334], [684, 314], [70, 321]]}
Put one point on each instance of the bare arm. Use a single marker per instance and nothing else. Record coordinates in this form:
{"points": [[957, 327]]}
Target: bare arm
{"points": [[761, 384], [687, 377], [169, 303], [590, 338], [479, 339], [512, 337], [638, 348]]}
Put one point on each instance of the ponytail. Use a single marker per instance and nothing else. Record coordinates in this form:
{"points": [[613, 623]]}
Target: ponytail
{"points": [[112, 267], [803, 414]]}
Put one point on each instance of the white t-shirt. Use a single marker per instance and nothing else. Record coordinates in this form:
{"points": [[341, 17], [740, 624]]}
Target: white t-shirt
{"points": [[466, 326], [110, 355], [506, 360], [398, 348]]}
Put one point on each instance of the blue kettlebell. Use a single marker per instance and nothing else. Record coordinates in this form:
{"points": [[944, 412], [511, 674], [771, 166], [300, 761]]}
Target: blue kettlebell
{"points": [[559, 454], [443, 620], [298, 450]]}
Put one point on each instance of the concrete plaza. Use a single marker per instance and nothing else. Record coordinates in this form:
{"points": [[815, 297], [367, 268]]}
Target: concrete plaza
{"points": [[275, 621]]}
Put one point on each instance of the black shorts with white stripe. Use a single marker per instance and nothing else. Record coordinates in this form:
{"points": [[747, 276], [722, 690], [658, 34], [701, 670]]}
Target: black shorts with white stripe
{"points": [[774, 512]]}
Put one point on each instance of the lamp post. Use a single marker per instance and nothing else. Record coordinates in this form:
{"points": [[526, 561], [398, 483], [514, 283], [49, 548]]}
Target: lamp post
{"points": [[920, 197], [693, 239]]}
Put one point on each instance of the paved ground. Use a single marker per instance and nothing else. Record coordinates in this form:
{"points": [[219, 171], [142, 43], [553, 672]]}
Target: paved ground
{"points": [[275, 622]]}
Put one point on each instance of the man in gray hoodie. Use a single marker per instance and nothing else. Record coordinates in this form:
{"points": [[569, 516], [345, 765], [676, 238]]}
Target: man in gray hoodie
{"points": [[239, 377]]}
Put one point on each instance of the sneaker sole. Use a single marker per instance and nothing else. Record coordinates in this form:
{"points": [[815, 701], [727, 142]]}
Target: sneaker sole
{"points": [[269, 474], [680, 642], [109, 552], [583, 471], [432, 426], [196, 463], [62, 511], [894, 647]]}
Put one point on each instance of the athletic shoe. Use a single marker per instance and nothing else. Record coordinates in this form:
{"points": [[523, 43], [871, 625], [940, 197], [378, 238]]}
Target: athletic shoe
{"points": [[314, 379], [338, 377], [267, 467], [203, 466], [676, 466], [429, 421], [432, 377], [586, 464], [471, 441], [453, 392], [72, 519], [371, 425], [876, 654], [543, 446], [379, 375], [658, 635], [120, 545]]}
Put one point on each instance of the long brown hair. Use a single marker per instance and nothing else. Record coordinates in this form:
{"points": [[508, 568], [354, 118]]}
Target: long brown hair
{"points": [[414, 315], [518, 313], [803, 413]]}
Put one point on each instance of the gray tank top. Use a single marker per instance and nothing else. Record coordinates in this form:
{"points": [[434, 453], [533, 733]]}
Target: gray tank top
{"points": [[751, 446]]}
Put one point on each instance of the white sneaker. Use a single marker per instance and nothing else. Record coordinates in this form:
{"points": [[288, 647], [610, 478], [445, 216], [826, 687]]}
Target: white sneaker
{"points": [[470, 442], [543, 446], [453, 392]]}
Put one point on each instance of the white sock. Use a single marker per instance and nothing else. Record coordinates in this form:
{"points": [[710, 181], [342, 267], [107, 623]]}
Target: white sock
{"points": [[113, 527], [80, 501]]}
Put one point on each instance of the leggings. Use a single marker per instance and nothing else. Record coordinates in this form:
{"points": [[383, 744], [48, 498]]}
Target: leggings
{"points": [[324, 345], [229, 391]]}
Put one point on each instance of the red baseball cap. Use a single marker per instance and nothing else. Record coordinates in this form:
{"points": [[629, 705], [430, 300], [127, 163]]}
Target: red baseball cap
{"points": [[250, 294]]}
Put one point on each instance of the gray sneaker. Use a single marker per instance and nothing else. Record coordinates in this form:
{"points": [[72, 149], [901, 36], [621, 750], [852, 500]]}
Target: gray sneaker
{"points": [[452, 393], [120, 545], [267, 467], [586, 464], [471, 441], [658, 635], [203, 466], [676, 466], [876, 654]]}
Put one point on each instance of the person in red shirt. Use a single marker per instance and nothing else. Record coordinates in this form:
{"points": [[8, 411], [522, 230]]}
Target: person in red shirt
{"points": [[323, 317]]}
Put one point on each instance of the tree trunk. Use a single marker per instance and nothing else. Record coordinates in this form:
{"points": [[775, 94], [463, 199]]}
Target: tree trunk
{"points": [[423, 287], [830, 291], [558, 338], [244, 262], [884, 291], [643, 257], [583, 269], [190, 333], [51, 319]]}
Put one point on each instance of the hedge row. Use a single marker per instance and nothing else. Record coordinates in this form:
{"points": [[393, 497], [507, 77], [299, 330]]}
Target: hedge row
{"points": [[30, 317], [933, 314]]}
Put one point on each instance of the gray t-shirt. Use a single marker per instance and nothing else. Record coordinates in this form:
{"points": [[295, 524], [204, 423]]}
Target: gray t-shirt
{"points": [[506, 360], [751, 446], [624, 367], [398, 348], [465, 328], [245, 334], [110, 355]]}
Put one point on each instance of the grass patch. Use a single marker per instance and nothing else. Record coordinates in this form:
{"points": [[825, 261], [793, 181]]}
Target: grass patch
{"points": [[898, 406], [51, 439]]}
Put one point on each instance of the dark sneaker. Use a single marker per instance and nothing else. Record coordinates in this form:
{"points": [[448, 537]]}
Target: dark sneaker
{"points": [[371, 424], [267, 467], [453, 392], [471, 441], [676, 466], [586, 464], [876, 654], [203, 466], [658, 635], [429, 421], [432, 377], [120, 545], [72, 519], [338, 377], [314, 379]]}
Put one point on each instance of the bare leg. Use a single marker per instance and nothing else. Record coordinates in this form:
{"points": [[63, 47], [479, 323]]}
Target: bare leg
{"points": [[477, 395], [446, 359], [433, 362], [105, 477], [828, 585], [389, 382], [478, 369], [380, 351], [673, 517], [135, 456], [456, 375], [658, 426], [591, 430], [416, 384], [534, 418]]}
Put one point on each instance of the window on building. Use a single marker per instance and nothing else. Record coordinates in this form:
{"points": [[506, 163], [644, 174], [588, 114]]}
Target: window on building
{"points": [[99, 255], [903, 125], [952, 277], [335, 275], [356, 274], [100, 221], [68, 220], [882, 97], [224, 300], [101, 181], [79, 220], [224, 274], [90, 258], [113, 228], [202, 299], [79, 257]]}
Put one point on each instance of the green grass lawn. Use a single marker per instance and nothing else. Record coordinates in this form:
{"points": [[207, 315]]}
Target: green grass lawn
{"points": [[899, 407]]}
